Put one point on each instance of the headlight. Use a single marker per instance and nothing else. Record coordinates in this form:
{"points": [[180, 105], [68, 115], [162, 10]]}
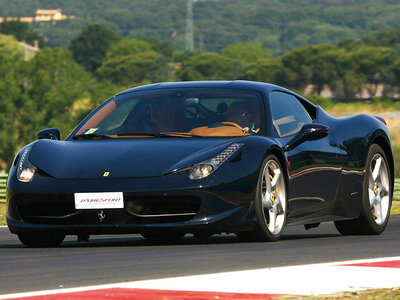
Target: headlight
{"points": [[26, 170], [209, 166]]}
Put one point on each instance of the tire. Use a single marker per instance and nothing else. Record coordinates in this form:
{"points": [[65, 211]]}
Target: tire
{"points": [[270, 201], [377, 197], [164, 237], [41, 239]]}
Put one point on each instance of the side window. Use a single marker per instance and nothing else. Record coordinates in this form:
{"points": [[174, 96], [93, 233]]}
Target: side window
{"points": [[288, 115]]}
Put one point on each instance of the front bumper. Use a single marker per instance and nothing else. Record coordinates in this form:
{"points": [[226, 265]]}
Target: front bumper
{"points": [[171, 202]]}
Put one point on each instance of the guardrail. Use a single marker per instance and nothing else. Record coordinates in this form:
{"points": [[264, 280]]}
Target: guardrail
{"points": [[396, 194], [3, 182]]}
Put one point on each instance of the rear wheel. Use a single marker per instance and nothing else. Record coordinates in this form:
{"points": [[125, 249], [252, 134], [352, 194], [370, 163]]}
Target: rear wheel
{"points": [[41, 239], [377, 197], [270, 203]]}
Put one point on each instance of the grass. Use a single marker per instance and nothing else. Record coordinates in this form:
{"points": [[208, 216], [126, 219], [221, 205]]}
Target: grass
{"points": [[365, 107], [395, 208], [376, 108], [394, 129], [376, 294]]}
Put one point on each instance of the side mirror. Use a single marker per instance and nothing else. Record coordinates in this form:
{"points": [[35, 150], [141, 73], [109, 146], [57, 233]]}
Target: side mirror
{"points": [[309, 132], [49, 133]]}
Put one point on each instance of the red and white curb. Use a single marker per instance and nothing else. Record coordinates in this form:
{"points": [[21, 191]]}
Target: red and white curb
{"points": [[307, 280]]}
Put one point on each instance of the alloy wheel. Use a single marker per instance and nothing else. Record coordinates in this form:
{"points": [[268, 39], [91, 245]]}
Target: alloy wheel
{"points": [[378, 189], [273, 197]]}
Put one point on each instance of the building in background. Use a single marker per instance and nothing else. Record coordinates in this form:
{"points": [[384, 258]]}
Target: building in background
{"points": [[42, 15]]}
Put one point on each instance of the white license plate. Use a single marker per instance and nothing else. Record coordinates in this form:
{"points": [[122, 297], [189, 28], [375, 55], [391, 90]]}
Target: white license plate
{"points": [[99, 200]]}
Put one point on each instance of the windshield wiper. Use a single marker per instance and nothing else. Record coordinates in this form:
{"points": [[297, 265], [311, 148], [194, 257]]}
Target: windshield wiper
{"points": [[158, 134], [137, 134], [90, 136]]}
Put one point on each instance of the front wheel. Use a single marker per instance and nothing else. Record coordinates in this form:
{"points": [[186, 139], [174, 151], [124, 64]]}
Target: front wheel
{"points": [[270, 203], [41, 239], [377, 197]]}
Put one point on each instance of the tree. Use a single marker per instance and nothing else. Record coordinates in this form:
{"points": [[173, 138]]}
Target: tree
{"points": [[11, 61], [127, 62], [54, 83], [164, 47], [15, 28], [350, 44], [280, 25], [388, 37], [23, 32], [182, 56], [160, 70], [311, 65], [246, 53], [396, 69], [370, 62], [266, 70], [324, 65], [349, 82], [210, 66], [90, 46]]}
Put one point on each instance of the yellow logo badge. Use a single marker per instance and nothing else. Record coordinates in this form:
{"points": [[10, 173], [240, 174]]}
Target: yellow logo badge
{"points": [[106, 174]]}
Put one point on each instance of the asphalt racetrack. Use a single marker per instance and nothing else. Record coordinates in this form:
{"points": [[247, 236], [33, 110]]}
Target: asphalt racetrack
{"points": [[109, 259]]}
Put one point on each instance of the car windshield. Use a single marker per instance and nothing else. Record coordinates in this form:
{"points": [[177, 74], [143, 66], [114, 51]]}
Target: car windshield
{"points": [[177, 112]]}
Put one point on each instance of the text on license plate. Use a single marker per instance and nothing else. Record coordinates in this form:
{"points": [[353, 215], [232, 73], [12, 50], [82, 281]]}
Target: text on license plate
{"points": [[99, 200]]}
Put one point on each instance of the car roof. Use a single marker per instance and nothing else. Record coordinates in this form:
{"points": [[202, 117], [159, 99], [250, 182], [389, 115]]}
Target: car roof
{"points": [[235, 84]]}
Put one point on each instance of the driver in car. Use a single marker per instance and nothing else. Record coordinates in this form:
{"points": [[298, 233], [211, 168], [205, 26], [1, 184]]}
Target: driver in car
{"points": [[238, 113], [162, 116]]}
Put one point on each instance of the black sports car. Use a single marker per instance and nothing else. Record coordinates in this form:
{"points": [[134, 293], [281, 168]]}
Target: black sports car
{"points": [[168, 159]]}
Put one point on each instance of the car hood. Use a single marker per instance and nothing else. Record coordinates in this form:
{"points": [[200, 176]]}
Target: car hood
{"points": [[122, 158]]}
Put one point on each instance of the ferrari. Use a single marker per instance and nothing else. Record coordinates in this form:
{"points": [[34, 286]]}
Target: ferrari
{"points": [[168, 159]]}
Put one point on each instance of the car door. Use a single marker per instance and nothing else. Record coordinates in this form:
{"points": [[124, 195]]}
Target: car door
{"points": [[314, 167]]}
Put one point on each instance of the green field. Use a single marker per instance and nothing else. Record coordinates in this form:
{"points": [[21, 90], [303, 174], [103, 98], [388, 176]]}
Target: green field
{"points": [[3, 179]]}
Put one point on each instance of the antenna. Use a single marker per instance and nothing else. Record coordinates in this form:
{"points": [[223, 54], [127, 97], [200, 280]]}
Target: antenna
{"points": [[189, 26]]}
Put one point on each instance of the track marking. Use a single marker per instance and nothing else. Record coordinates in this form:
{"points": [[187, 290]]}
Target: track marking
{"points": [[140, 294], [379, 264], [307, 280]]}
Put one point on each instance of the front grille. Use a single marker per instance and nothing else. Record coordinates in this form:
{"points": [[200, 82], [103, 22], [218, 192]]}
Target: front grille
{"points": [[159, 206], [60, 209], [45, 206]]}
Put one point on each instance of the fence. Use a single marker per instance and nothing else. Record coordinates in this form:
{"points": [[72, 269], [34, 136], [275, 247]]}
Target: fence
{"points": [[396, 194], [3, 181]]}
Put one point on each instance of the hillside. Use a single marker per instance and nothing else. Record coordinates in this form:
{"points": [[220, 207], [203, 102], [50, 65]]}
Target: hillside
{"points": [[280, 25]]}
